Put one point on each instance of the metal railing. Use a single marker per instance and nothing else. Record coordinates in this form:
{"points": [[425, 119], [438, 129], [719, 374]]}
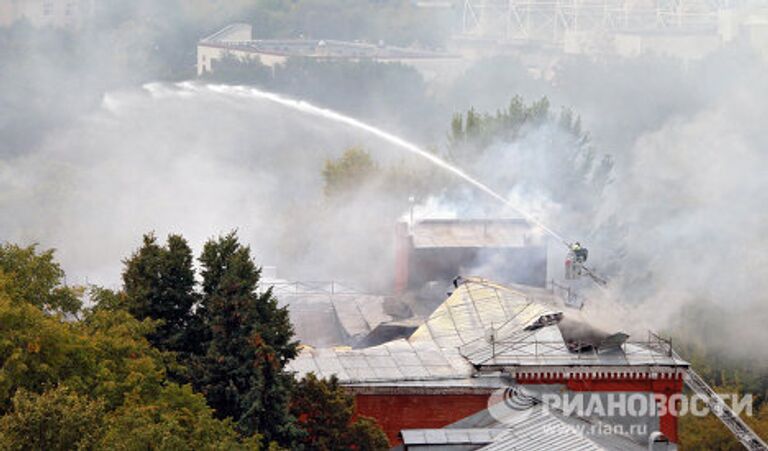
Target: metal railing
{"points": [[310, 287]]}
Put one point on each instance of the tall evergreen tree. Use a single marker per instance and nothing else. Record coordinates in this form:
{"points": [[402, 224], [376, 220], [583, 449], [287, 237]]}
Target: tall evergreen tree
{"points": [[251, 339], [160, 284]]}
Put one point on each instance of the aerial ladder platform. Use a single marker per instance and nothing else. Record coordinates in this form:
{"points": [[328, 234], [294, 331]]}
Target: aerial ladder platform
{"points": [[725, 414], [575, 268]]}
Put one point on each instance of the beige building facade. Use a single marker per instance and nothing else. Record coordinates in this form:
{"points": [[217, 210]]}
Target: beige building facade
{"points": [[236, 41]]}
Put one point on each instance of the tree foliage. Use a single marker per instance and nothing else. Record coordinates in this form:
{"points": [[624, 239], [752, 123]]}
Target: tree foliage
{"points": [[349, 172], [177, 419], [57, 420], [35, 277], [37, 351], [251, 339], [527, 148], [473, 132], [99, 379], [326, 413], [159, 284], [84, 384]]}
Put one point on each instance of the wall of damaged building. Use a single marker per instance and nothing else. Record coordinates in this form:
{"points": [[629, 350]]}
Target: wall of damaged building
{"points": [[440, 250], [417, 411], [527, 266], [604, 387]]}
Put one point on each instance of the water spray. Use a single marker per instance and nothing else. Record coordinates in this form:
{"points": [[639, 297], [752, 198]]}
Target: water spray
{"points": [[308, 108]]}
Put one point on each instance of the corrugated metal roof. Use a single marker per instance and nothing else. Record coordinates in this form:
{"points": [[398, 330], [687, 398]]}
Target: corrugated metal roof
{"points": [[528, 428], [398, 360], [326, 314], [314, 320], [360, 314], [449, 436], [454, 340], [455, 233], [474, 309], [534, 429], [529, 431], [432, 351]]}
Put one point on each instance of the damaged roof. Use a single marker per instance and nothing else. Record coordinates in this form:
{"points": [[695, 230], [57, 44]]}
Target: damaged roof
{"points": [[326, 314], [483, 326]]}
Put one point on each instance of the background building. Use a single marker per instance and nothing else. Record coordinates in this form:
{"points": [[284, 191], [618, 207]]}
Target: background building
{"points": [[47, 13], [237, 41]]}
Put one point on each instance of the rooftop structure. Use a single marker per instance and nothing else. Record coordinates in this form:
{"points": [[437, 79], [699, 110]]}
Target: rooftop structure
{"points": [[687, 29], [454, 343], [327, 314], [435, 250], [474, 233], [237, 41], [486, 336]]}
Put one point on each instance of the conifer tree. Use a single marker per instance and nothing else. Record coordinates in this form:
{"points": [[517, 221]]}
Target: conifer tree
{"points": [[160, 284], [242, 371]]}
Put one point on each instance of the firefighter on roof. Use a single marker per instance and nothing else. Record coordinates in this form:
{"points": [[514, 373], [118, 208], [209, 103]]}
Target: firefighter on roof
{"points": [[574, 262], [581, 253]]}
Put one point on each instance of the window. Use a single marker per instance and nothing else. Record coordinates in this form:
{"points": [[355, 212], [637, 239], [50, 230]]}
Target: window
{"points": [[48, 8]]}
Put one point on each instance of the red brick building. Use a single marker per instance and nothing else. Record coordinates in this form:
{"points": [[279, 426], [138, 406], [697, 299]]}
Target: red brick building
{"points": [[505, 250], [487, 337]]}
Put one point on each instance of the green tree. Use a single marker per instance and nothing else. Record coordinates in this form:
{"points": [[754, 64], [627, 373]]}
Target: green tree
{"points": [[121, 361], [109, 369], [37, 351], [159, 284], [177, 419], [105, 355], [105, 299], [231, 70], [326, 412], [353, 169], [36, 278], [478, 131], [705, 433], [527, 147], [242, 372], [57, 420]]}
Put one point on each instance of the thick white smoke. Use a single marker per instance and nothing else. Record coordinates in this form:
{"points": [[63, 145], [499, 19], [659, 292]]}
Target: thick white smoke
{"points": [[200, 164], [692, 197]]}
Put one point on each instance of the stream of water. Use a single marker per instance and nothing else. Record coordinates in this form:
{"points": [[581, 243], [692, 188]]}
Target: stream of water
{"points": [[308, 108]]}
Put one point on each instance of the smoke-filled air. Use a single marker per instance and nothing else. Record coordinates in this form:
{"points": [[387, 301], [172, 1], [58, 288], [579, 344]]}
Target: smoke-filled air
{"points": [[240, 224]]}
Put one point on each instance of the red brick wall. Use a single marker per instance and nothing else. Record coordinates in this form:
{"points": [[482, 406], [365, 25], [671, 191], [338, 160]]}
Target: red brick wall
{"points": [[668, 387], [397, 412]]}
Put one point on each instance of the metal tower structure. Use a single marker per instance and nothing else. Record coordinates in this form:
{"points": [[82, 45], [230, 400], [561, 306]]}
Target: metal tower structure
{"points": [[551, 20]]}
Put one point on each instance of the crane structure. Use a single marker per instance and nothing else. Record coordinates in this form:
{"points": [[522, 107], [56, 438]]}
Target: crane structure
{"points": [[551, 20]]}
